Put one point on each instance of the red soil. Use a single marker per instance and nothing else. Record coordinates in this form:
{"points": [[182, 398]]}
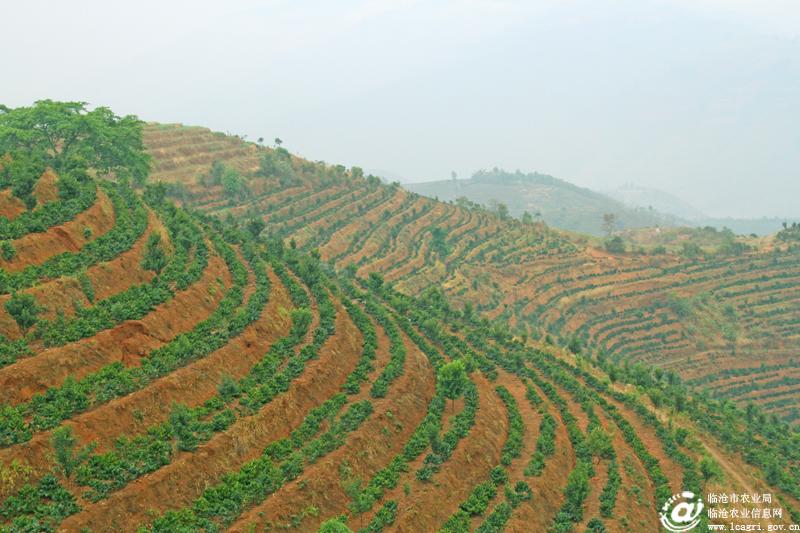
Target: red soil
{"points": [[191, 385], [375, 443], [35, 248], [429, 505], [527, 512], [180, 482], [108, 278], [127, 342], [10, 206], [46, 188]]}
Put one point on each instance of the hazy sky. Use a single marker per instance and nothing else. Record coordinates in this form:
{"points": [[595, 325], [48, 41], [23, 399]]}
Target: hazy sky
{"points": [[697, 97]]}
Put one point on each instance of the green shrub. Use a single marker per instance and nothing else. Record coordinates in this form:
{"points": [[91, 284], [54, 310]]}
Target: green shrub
{"points": [[39, 507], [155, 258], [334, 525], [496, 521], [595, 526], [228, 388], [65, 452], [608, 497], [479, 498], [521, 492], [615, 245], [23, 309], [516, 428], [86, 286], [545, 446], [7, 250]]}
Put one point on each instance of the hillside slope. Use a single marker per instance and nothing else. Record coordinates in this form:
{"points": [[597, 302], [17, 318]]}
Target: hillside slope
{"points": [[556, 202], [725, 324], [639, 196], [176, 372], [702, 317]]}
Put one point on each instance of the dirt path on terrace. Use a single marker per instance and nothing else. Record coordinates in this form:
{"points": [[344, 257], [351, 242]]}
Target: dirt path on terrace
{"points": [[538, 514], [516, 471], [647, 434], [36, 248], [192, 385], [469, 465], [126, 342], [108, 278], [181, 482], [374, 445], [638, 510]]}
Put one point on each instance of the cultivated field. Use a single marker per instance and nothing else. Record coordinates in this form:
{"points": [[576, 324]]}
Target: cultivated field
{"points": [[727, 322], [364, 354]]}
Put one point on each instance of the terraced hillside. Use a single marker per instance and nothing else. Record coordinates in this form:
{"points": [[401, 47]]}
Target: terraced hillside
{"points": [[727, 322], [166, 370]]}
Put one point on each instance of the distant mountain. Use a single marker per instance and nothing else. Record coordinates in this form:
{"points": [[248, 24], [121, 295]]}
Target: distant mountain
{"points": [[636, 196], [646, 197], [559, 203]]}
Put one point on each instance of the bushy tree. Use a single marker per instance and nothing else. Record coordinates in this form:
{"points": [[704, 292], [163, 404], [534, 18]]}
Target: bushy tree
{"points": [[155, 193], [255, 226], [710, 469], [23, 309], [69, 185], [599, 443], [63, 134], [216, 172], [575, 345], [360, 500], [234, 185], [182, 421], [277, 163], [375, 281], [155, 258], [64, 447], [228, 388], [7, 250], [439, 241], [22, 171], [502, 211], [499, 208], [453, 379], [527, 218], [615, 245], [691, 250]]}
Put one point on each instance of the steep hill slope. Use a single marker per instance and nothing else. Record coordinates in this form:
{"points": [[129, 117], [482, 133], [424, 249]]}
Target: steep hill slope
{"points": [[703, 317], [723, 323], [176, 372]]}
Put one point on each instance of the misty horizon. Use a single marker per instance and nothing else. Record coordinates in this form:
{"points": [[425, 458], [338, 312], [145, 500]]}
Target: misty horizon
{"points": [[693, 98]]}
